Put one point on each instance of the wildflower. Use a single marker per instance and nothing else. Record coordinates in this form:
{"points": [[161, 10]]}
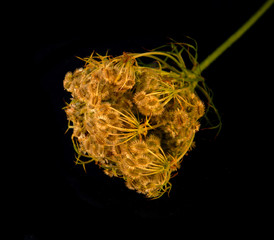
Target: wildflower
{"points": [[135, 122]]}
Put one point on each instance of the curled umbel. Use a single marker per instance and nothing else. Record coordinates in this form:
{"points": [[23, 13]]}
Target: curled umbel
{"points": [[134, 121]]}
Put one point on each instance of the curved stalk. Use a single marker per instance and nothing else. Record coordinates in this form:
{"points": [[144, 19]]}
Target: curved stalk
{"points": [[233, 38]]}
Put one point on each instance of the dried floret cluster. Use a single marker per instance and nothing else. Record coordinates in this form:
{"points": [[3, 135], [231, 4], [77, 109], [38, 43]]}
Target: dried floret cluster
{"points": [[134, 121]]}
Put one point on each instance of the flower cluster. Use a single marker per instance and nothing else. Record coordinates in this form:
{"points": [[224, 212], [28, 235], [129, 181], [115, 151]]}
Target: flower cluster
{"points": [[135, 122]]}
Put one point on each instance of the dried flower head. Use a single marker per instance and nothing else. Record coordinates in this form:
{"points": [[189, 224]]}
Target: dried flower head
{"points": [[134, 121]]}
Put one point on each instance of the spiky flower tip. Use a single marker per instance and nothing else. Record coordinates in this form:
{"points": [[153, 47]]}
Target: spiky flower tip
{"points": [[134, 121]]}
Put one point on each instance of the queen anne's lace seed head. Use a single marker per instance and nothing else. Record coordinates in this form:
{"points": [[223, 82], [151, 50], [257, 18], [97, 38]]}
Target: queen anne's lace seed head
{"points": [[133, 121]]}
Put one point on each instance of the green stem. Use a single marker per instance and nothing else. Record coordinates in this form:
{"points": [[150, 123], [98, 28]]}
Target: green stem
{"points": [[212, 57]]}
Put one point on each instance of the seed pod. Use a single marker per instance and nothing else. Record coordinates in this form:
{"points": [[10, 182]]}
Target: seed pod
{"points": [[152, 102], [101, 122], [140, 97], [138, 147], [68, 81], [142, 160], [153, 142]]}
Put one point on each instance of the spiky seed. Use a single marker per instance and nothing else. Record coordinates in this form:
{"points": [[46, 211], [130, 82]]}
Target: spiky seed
{"points": [[128, 161], [153, 141], [139, 97], [133, 173], [139, 147], [152, 102], [68, 81], [101, 122], [142, 160]]}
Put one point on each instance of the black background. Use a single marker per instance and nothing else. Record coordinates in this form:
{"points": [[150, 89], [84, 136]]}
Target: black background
{"points": [[217, 182]]}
